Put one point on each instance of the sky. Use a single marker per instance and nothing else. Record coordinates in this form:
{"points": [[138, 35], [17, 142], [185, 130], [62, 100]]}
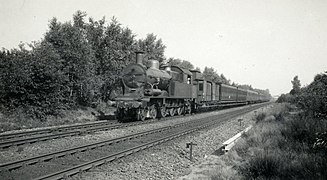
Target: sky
{"points": [[264, 43]]}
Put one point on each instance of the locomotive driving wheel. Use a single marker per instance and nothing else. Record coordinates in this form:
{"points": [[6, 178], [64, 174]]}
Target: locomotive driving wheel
{"points": [[153, 112], [140, 114], [187, 108], [180, 110], [163, 111], [120, 114], [172, 111]]}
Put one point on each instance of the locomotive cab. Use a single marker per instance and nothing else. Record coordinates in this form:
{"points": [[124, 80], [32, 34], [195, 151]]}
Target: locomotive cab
{"points": [[181, 84]]}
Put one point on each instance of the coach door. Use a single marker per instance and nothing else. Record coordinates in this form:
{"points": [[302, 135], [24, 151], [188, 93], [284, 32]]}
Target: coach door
{"points": [[200, 91], [208, 91]]}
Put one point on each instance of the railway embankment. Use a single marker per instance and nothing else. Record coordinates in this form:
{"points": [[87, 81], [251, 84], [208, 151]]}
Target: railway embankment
{"points": [[172, 159], [17, 120], [283, 144], [17, 153]]}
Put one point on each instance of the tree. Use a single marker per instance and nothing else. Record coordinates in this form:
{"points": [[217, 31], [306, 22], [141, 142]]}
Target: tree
{"points": [[47, 88], [245, 86], [224, 79], [313, 98], [212, 75], [181, 63], [153, 48], [296, 86], [32, 80], [77, 56], [114, 51], [15, 76]]}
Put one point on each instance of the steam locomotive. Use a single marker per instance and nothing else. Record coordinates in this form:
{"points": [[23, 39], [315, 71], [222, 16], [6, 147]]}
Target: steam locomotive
{"points": [[153, 91]]}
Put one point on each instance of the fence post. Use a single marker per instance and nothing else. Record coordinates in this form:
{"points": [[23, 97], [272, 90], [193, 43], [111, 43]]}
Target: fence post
{"points": [[190, 145]]}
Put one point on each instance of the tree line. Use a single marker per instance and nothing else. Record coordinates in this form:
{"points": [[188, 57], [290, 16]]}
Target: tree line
{"points": [[311, 98], [75, 64]]}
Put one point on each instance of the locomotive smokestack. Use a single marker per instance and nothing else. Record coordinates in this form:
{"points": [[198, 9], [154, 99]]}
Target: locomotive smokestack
{"points": [[139, 57]]}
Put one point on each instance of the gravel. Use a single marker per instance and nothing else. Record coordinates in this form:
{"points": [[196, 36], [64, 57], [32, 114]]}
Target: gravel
{"points": [[171, 160], [167, 161]]}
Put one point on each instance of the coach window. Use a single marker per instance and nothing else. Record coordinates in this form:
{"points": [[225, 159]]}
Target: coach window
{"points": [[201, 86], [188, 79]]}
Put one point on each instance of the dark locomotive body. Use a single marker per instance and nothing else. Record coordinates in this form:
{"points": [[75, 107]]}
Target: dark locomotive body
{"points": [[151, 92]]}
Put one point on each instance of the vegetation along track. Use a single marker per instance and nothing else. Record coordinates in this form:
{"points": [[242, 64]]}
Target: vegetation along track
{"points": [[86, 157]]}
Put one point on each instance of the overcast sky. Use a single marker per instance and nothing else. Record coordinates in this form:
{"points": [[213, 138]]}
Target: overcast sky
{"points": [[264, 43]]}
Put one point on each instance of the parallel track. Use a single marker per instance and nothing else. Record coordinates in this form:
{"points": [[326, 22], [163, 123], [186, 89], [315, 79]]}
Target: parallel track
{"points": [[167, 133], [33, 136], [55, 134], [7, 136]]}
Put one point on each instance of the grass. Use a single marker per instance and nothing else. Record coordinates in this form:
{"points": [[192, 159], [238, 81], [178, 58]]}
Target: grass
{"points": [[19, 120], [280, 146]]}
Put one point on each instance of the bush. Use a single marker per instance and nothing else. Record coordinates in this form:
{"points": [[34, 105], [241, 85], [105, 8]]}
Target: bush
{"points": [[313, 98], [303, 129], [264, 165], [260, 117], [284, 148]]}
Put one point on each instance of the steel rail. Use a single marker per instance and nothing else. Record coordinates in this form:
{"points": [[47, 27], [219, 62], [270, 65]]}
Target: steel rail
{"points": [[55, 134], [91, 164], [29, 161], [5, 136]]}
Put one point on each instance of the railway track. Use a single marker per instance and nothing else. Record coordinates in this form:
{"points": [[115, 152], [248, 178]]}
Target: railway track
{"points": [[33, 136], [100, 153], [7, 136], [29, 137]]}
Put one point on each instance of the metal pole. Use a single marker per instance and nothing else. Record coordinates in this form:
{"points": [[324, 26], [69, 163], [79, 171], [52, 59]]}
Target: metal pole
{"points": [[191, 152], [190, 145]]}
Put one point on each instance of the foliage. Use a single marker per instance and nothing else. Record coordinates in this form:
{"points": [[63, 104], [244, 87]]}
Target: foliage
{"points": [[286, 98], [153, 48], [212, 75], [14, 77], [284, 148], [260, 117], [114, 48], [245, 86], [313, 98], [181, 63], [77, 56], [76, 64], [296, 86]]}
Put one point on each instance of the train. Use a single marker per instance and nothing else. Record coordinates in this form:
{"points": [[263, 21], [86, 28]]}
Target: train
{"points": [[153, 91]]}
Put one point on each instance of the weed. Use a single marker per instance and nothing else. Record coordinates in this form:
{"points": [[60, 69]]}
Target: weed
{"points": [[263, 165], [260, 117], [283, 147]]}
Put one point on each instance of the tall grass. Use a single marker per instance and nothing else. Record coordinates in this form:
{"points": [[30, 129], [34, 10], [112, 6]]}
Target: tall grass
{"points": [[19, 120], [281, 146]]}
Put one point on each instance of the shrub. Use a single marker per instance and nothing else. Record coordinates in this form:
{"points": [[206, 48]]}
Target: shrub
{"points": [[260, 117], [263, 165], [284, 148], [313, 98]]}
